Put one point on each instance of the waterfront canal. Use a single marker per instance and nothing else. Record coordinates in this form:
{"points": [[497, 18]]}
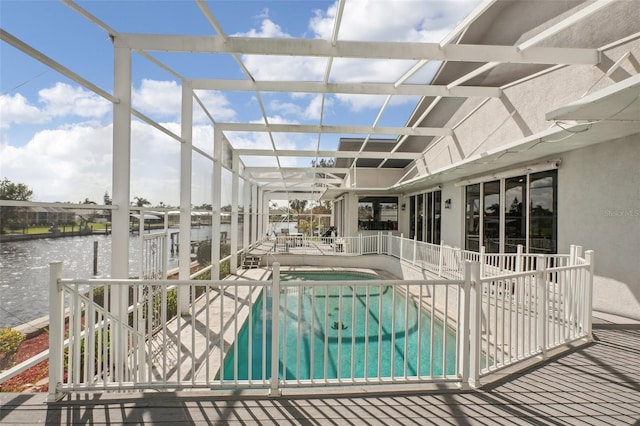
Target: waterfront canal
{"points": [[24, 266]]}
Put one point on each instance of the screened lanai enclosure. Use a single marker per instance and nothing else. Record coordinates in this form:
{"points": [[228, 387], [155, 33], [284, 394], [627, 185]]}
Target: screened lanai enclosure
{"points": [[460, 217]]}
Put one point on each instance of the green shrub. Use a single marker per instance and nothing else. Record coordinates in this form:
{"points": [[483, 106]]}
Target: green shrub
{"points": [[172, 305], [102, 339], [203, 255], [98, 296], [204, 276], [10, 341], [225, 269]]}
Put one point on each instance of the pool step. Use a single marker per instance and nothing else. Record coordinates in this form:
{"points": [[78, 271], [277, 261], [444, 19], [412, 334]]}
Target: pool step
{"points": [[251, 262]]}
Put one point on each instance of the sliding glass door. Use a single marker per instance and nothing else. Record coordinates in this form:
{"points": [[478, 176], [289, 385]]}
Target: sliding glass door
{"points": [[543, 219], [472, 218], [424, 216], [521, 210], [515, 213], [491, 216]]}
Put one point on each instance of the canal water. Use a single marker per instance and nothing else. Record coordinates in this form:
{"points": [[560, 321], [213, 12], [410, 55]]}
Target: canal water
{"points": [[24, 266]]}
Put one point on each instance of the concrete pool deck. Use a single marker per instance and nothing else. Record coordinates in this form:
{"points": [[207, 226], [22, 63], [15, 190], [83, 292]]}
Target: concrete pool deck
{"points": [[204, 360]]}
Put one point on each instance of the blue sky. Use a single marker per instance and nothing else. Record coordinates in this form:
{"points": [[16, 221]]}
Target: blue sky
{"points": [[55, 135]]}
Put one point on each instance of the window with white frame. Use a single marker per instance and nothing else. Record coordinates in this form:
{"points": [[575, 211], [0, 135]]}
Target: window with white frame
{"points": [[378, 213], [521, 210], [424, 216]]}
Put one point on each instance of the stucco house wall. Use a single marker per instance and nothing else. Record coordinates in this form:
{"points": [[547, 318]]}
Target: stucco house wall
{"points": [[599, 209]]}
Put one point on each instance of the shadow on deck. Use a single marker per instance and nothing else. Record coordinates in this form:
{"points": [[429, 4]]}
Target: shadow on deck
{"points": [[595, 384]]}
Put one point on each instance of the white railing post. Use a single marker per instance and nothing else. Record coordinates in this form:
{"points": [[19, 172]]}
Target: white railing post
{"points": [[475, 326], [360, 244], [588, 291], [578, 251], [401, 241], [379, 242], [457, 261], [483, 260], [143, 258], [415, 249], [570, 287], [463, 328], [515, 288], [165, 254], [389, 239], [139, 336], [56, 331], [275, 328], [441, 260], [541, 292]]}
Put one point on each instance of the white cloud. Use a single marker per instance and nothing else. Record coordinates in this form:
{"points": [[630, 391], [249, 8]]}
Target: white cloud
{"points": [[57, 101], [264, 14], [357, 103], [278, 67], [261, 140], [155, 164], [268, 28], [314, 109], [162, 100], [364, 20], [285, 67], [217, 104], [158, 98], [376, 20], [74, 162], [287, 108], [63, 99], [298, 110], [203, 138], [17, 109], [67, 164]]}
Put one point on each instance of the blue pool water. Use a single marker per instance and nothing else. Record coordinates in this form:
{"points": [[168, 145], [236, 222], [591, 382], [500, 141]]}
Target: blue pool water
{"points": [[352, 329]]}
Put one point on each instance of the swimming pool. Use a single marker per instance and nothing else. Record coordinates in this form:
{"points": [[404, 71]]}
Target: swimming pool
{"points": [[349, 326]]}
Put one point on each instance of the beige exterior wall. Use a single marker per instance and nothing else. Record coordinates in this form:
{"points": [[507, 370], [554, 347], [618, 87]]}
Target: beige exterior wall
{"points": [[599, 209], [452, 223]]}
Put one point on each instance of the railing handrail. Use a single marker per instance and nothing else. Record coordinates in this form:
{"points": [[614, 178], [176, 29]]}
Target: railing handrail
{"points": [[254, 283]]}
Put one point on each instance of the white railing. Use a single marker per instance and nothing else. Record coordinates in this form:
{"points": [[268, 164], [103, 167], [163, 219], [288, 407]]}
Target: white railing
{"points": [[306, 245], [525, 314], [509, 308], [408, 332], [368, 332], [154, 255], [156, 322]]}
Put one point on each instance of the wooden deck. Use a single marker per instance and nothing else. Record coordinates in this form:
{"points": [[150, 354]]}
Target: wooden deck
{"points": [[596, 384]]}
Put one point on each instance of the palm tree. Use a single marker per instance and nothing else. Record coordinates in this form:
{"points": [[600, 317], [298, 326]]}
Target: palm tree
{"points": [[298, 206], [141, 202]]}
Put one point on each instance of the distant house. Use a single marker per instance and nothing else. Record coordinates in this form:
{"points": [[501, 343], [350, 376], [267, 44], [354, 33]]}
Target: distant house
{"points": [[45, 216]]}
